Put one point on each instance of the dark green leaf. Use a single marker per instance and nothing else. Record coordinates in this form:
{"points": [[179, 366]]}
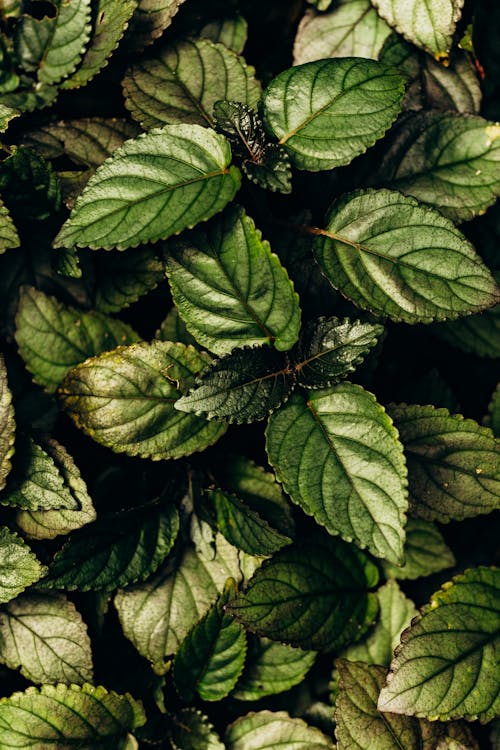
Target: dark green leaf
{"points": [[125, 399], [122, 278], [231, 31], [425, 552], [191, 730], [152, 187], [173, 328], [329, 111], [7, 425], [494, 412], [19, 567], [453, 463], [45, 637], [8, 233], [150, 20], [6, 115], [447, 664], [312, 594], [478, 334], [266, 730], [29, 186]]}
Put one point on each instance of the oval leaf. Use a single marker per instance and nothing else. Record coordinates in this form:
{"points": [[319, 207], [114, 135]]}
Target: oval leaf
{"points": [[19, 567], [339, 458], [152, 187], [265, 730], [395, 257], [8, 233], [7, 425], [425, 552], [329, 111], [232, 32]]}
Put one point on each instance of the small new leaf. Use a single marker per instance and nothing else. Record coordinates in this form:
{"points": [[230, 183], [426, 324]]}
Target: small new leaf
{"points": [[267, 730], [19, 567]]}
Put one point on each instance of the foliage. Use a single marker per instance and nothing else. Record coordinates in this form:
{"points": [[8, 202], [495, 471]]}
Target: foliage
{"points": [[249, 410]]}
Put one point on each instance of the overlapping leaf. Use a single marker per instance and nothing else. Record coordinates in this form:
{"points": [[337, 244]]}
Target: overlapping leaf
{"points": [[8, 233], [494, 412], [265, 730], [182, 82], [329, 111], [478, 334], [152, 187], [339, 458], [19, 567], [231, 31], [173, 328], [453, 463], [425, 552], [191, 730], [395, 257], [122, 278], [150, 20], [45, 637], [7, 425], [29, 186]]}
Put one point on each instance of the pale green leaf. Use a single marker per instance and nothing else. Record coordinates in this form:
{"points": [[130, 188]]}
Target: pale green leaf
{"points": [[7, 425], [122, 278], [320, 4], [112, 18], [6, 115], [182, 82], [116, 550], [149, 613], [150, 20], [271, 668], [395, 257], [352, 28], [8, 233], [67, 716], [312, 594], [152, 187], [191, 730], [395, 614], [230, 289], [19, 567], [231, 31], [267, 730], [329, 111], [53, 338], [425, 552], [429, 25], [340, 460], [447, 159], [125, 399], [447, 664], [45, 637], [453, 463]]}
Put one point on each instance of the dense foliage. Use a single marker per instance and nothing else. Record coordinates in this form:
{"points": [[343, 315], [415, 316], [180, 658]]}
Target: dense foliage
{"points": [[249, 410]]}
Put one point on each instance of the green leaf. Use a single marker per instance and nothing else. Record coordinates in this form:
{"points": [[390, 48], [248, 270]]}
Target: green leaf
{"points": [[428, 25], [230, 289], [125, 399], [430, 84], [173, 328], [19, 567], [243, 386], [395, 614], [339, 458], [494, 412], [329, 111], [478, 334], [7, 425], [8, 233], [181, 83], [6, 115], [320, 4], [395, 257], [447, 159], [447, 664], [47, 524], [243, 527], [425, 552], [453, 466], [149, 613], [331, 348], [271, 668], [53, 338], [352, 29], [212, 655], [174, 177], [231, 31], [122, 278], [150, 20], [191, 730], [312, 594], [116, 550], [45, 637], [29, 186], [112, 18], [264, 730], [67, 716]]}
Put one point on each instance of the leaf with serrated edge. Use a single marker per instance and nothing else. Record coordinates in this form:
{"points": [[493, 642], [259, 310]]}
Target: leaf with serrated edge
{"points": [[396, 257], [53, 338], [182, 82], [115, 551], [123, 278], [67, 716], [231, 31], [191, 730], [7, 425], [19, 567], [139, 384], [243, 386], [395, 614], [425, 552], [149, 613], [312, 594], [152, 187], [8, 233], [453, 463], [265, 730], [150, 20], [230, 289], [271, 668], [428, 25], [352, 28], [447, 664], [307, 108], [111, 21], [340, 460], [45, 637]]}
